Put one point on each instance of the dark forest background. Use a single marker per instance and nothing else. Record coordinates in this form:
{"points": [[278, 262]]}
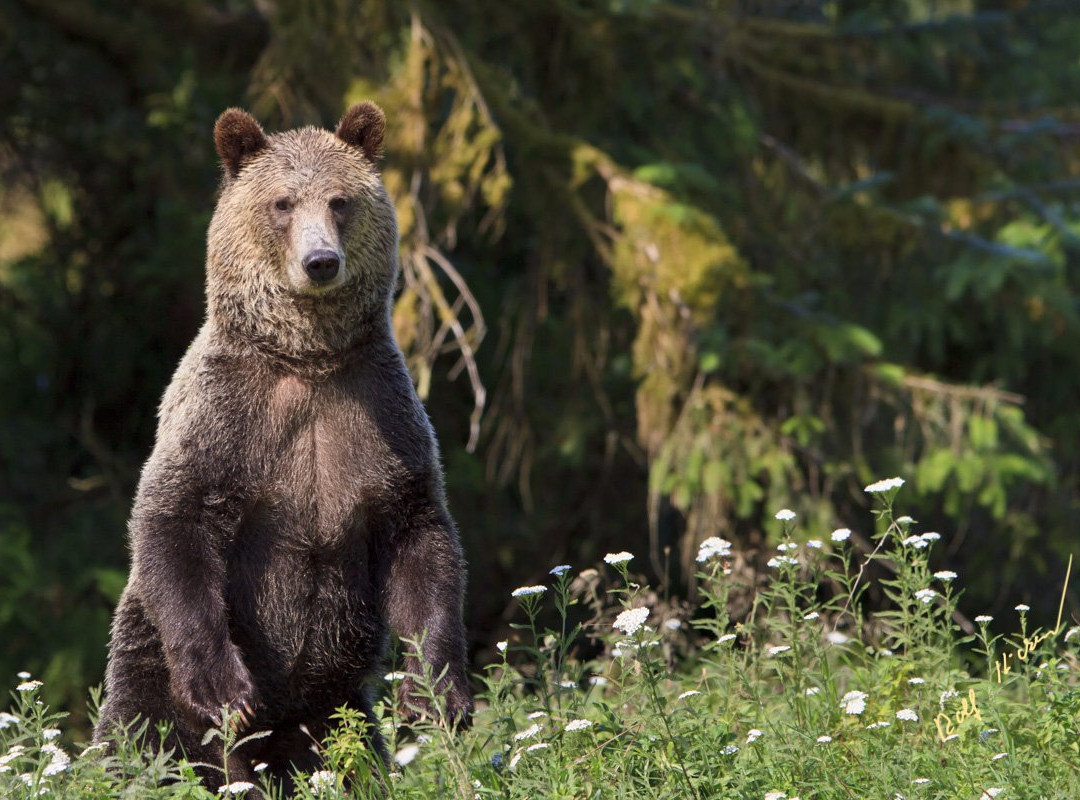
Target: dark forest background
{"points": [[667, 268]]}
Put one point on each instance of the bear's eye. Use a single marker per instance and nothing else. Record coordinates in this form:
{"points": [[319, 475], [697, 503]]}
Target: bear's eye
{"points": [[338, 204], [283, 204]]}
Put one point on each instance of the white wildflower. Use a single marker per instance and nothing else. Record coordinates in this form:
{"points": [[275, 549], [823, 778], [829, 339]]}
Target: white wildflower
{"points": [[783, 547], [907, 714], [984, 619], [406, 754], [515, 759], [776, 561], [904, 520], [880, 724], [7, 719], [753, 735], [885, 485], [854, 702], [950, 737], [630, 620], [690, 693], [1023, 607], [945, 575], [835, 637], [926, 595], [840, 534], [775, 796], [915, 541], [712, 547], [998, 757], [23, 676], [810, 692], [785, 515], [672, 624], [730, 750], [560, 570], [811, 616], [260, 766], [824, 739], [776, 650], [323, 779], [525, 591], [577, 725], [618, 558], [727, 637], [236, 787], [598, 680], [916, 681], [501, 646], [50, 733], [1071, 632], [945, 697], [537, 746], [395, 676], [537, 715], [528, 733], [817, 544], [921, 781], [28, 686], [992, 792]]}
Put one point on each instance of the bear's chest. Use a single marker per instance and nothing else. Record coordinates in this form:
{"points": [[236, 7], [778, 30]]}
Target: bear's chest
{"points": [[325, 467]]}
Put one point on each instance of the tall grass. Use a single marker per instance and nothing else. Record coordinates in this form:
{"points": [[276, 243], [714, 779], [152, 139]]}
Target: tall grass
{"points": [[802, 694]]}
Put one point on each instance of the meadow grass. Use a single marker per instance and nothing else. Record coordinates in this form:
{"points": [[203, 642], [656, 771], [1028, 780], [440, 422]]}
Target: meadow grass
{"points": [[801, 694]]}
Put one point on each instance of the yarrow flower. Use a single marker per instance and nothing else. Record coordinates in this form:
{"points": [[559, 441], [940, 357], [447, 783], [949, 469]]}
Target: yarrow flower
{"points": [[618, 558], [560, 570], [835, 637], [7, 719], [28, 686], [778, 649], [525, 591], [810, 692], [236, 787], [537, 746], [672, 624], [926, 595], [323, 779], [713, 547], [815, 543], [777, 561], [785, 515], [727, 637], [854, 702], [916, 541], [528, 733], [907, 714], [774, 796], [730, 750], [753, 735], [630, 620], [880, 724], [921, 781], [577, 725], [811, 616], [1023, 607], [785, 546], [58, 760], [687, 694], [984, 618], [840, 534], [916, 681], [998, 757], [501, 646], [993, 791], [945, 575], [884, 485], [50, 733], [537, 715], [824, 739]]}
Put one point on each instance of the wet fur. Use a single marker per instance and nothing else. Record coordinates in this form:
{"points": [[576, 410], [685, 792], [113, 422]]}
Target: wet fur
{"points": [[291, 514]]}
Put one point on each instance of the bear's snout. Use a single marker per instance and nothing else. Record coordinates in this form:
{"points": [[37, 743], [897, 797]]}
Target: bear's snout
{"points": [[322, 265]]}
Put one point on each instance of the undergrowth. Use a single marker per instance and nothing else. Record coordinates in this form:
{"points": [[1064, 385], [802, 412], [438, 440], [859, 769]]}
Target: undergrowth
{"points": [[804, 695]]}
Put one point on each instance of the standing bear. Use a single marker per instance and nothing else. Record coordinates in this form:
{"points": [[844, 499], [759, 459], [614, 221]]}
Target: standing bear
{"points": [[292, 512]]}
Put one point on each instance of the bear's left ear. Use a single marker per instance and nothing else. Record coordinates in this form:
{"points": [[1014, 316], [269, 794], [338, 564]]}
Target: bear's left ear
{"points": [[237, 137], [363, 127]]}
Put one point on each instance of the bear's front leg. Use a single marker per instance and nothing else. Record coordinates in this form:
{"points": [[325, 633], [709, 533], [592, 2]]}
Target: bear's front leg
{"points": [[425, 591], [178, 540]]}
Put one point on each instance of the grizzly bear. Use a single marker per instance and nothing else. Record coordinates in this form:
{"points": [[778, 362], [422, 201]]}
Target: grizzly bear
{"points": [[291, 514]]}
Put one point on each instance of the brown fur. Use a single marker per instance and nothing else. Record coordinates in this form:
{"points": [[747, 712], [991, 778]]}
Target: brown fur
{"points": [[292, 511]]}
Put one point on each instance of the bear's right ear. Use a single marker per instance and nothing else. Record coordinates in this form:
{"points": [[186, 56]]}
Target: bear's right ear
{"points": [[363, 126], [237, 137]]}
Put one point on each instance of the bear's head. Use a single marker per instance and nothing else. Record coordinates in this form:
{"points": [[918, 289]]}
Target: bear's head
{"points": [[302, 249]]}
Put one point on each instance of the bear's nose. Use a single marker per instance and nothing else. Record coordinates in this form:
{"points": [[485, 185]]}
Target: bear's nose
{"points": [[321, 265]]}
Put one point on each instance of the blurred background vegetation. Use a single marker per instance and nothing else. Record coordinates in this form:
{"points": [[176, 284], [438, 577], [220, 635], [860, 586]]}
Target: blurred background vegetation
{"points": [[667, 267]]}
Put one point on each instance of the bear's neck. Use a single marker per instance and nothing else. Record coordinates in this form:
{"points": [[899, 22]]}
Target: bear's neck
{"points": [[311, 337]]}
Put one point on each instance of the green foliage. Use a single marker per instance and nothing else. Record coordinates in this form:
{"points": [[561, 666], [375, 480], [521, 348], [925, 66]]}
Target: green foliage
{"points": [[626, 695], [665, 266]]}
